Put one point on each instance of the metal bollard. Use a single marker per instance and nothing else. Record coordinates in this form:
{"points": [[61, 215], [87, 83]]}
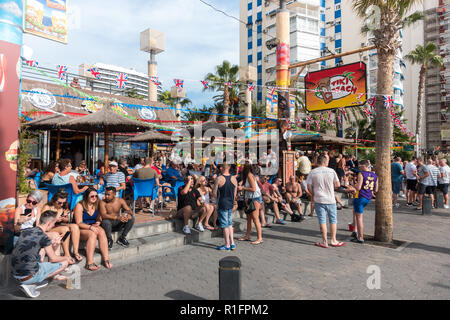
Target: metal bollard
{"points": [[230, 278], [439, 200], [426, 205]]}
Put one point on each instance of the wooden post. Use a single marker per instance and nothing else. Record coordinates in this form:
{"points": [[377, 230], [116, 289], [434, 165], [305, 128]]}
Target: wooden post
{"points": [[58, 145], [106, 148]]}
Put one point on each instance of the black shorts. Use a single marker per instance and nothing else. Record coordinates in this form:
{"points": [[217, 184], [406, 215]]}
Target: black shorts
{"points": [[340, 172], [411, 185], [443, 188], [423, 189]]}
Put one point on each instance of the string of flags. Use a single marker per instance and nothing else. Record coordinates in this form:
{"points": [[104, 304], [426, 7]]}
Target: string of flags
{"points": [[62, 72], [121, 80]]}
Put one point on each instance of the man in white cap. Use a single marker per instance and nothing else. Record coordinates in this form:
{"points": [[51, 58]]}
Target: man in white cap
{"points": [[114, 178]]}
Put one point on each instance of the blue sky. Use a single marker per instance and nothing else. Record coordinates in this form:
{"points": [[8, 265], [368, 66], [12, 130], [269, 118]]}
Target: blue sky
{"points": [[197, 38]]}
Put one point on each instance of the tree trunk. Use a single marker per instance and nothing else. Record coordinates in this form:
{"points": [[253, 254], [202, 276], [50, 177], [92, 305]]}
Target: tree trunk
{"points": [[420, 99], [383, 203]]}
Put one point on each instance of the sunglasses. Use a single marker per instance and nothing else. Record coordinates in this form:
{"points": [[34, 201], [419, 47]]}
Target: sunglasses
{"points": [[61, 203], [32, 202], [93, 196]]}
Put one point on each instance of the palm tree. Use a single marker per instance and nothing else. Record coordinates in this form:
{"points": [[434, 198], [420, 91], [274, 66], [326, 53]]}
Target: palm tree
{"points": [[167, 99], [423, 56], [387, 41], [225, 73]]}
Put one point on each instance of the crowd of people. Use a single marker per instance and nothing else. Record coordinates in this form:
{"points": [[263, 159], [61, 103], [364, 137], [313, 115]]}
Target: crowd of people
{"points": [[208, 193]]}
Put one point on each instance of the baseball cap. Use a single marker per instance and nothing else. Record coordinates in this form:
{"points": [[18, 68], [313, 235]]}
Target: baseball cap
{"points": [[113, 164]]}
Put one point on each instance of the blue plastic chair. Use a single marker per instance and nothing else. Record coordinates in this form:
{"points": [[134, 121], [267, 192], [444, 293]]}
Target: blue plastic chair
{"points": [[72, 198], [37, 178], [143, 188], [173, 193]]}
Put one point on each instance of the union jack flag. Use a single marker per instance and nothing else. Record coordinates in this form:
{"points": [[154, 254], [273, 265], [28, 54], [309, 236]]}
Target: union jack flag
{"points": [[368, 113], [95, 73], [205, 84], [251, 86], [155, 81], [178, 83], [272, 90], [388, 102], [62, 70], [32, 63], [228, 84], [121, 80], [371, 101]]}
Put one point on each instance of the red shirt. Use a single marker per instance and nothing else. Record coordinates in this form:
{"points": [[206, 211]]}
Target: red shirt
{"points": [[157, 170]]}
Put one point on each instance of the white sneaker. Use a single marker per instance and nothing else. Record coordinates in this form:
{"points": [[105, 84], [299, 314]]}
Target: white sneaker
{"points": [[199, 227], [446, 206], [402, 196], [30, 290], [186, 230], [42, 284]]}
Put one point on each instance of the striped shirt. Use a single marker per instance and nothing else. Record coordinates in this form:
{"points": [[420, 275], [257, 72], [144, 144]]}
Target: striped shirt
{"points": [[114, 179], [434, 172]]}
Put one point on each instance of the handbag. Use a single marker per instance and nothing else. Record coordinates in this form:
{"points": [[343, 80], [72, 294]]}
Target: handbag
{"points": [[249, 206]]}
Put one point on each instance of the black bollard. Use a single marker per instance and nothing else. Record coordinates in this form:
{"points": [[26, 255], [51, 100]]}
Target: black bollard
{"points": [[426, 205], [230, 278], [439, 200]]}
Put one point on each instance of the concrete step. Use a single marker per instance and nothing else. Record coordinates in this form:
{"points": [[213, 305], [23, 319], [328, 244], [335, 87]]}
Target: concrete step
{"points": [[146, 229]]}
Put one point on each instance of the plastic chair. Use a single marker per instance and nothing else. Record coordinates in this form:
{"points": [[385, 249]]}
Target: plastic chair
{"points": [[173, 193], [143, 188], [72, 198], [37, 179]]}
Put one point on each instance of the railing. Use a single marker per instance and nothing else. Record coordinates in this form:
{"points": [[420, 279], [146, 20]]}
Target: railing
{"points": [[48, 75]]}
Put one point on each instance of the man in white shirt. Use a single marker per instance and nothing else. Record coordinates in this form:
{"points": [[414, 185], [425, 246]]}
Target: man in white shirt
{"points": [[321, 184], [444, 180], [411, 182]]}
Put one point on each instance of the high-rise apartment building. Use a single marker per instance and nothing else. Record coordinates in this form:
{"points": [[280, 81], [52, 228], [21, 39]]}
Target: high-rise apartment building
{"points": [[437, 101], [306, 25]]}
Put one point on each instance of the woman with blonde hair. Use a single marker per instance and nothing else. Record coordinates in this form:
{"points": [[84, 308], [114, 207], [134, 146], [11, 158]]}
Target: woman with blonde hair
{"points": [[201, 185]]}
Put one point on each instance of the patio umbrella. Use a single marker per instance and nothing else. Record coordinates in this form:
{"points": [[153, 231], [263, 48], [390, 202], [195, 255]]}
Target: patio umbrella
{"points": [[105, 120], [152, 137], [50, 123]]}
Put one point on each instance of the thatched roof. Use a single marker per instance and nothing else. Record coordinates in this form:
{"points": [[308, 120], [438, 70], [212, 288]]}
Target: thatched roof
{"points": [[210, 124], [61, 99], [105, 118], [48, 123], [151, 136]]}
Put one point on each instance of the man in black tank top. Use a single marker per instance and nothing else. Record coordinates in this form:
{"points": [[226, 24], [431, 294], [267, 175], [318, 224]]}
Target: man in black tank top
{"points": [[225, 190]]}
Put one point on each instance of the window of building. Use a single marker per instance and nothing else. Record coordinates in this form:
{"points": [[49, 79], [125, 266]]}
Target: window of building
{"points": [[250, 6], [250, 45], [259, 2], [259, 42], [250, 58]]}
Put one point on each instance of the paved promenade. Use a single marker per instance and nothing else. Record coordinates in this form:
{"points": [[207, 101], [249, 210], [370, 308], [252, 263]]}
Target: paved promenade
{"points": [[287, 266]]}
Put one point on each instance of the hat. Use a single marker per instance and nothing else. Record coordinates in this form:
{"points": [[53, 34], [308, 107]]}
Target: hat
{"points": [[113, 164]]}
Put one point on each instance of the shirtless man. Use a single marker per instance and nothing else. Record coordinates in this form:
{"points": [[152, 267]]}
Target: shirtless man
{"points": [[112, 217], [293, 194]]}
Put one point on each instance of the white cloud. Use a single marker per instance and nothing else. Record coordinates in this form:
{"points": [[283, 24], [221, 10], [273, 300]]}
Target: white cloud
{"points": [[12, 8], [197, 39]]}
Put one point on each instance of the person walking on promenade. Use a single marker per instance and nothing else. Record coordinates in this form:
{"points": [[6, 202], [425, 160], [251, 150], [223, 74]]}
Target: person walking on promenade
{"points": [[321, 184], [225, 190]]}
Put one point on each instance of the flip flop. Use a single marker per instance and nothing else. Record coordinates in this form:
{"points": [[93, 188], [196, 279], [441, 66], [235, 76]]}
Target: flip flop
{"points": [[92, 267], [107, 264], [78, 258], [244, 239], [321, 245], [339, 244], [210, 228], [257, 242]]}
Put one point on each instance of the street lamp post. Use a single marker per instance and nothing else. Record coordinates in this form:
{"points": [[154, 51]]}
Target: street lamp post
{"points": [[153, 42]]}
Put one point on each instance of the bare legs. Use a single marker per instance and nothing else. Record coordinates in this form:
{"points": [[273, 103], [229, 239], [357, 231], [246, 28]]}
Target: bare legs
{"points": [[254, 217], [91, 240]]}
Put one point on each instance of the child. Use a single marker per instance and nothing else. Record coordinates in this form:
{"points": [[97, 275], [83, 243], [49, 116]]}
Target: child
{"points": [[366, 186]]}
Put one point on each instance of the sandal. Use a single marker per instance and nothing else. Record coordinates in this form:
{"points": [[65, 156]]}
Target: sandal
{"points": [[257, 242], [244, 239], [92, 267], [319, 244], [77, 257], [339, 244], [107, 264]]}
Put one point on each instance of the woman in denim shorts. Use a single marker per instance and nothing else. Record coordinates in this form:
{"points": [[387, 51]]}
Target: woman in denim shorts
{"points": [[252, 194]]}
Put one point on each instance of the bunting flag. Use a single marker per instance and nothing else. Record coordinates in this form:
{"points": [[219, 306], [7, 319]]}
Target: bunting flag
{"points": [[121, 80], [228, 84], [155, 81], [62, 71], [95, 73], [388, 102], [179, 83], [371, 102], [205, 84], [32, 63], [272, 90], [251, 86], [368, 113]]}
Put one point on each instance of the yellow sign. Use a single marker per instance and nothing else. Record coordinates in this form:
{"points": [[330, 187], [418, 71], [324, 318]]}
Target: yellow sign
{"points": [[272, 104], [47, 19]]}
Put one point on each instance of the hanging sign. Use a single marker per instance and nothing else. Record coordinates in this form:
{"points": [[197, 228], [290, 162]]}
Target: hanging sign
{"points": [[42, 98], [272, 104], [47, 19], [335, 88], [147, 113]]}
